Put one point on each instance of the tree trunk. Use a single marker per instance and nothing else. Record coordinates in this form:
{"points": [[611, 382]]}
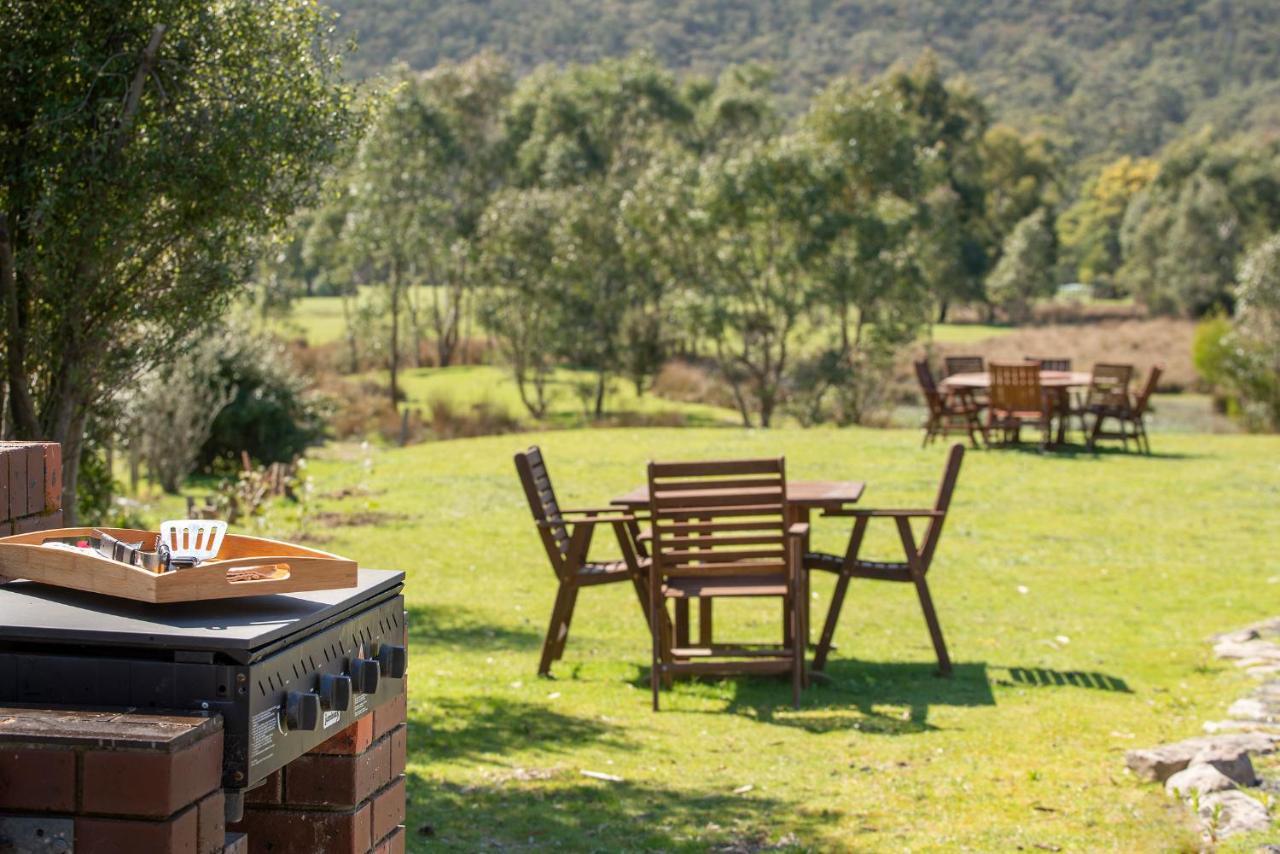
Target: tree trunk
{"points": [[395, 330], [600, 386]]}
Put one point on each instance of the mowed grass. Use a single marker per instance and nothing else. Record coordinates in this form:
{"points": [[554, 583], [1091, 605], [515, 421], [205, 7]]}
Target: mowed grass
{"points": [[1115, 566]]}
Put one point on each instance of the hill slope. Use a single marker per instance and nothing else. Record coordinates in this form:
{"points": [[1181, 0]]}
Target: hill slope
{"points": [[1105, 76]]}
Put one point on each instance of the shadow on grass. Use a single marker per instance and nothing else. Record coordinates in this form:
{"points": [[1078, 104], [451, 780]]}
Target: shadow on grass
{"points": [[541, 810], [481, 728], [1070, 451], [1041, 677], [460, 628]]}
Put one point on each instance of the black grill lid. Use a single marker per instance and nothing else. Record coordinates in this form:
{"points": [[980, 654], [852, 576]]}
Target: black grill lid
{"points": [[39, 612]]}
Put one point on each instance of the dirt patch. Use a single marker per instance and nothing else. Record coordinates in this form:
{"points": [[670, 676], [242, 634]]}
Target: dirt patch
{"points": [[357, 519]]}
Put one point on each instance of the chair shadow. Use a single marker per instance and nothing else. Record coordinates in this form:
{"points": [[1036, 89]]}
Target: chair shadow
{"points": [[549, 809], [461, 628], [1043, 677], [1069, 451], [486, 728], [877, 698]]}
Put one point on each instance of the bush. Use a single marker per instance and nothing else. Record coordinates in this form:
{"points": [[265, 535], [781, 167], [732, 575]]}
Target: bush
{"points": [[273, 415]]}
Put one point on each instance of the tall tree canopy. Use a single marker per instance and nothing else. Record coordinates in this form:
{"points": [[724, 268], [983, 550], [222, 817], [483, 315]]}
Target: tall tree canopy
{"points": [[144, 147]]}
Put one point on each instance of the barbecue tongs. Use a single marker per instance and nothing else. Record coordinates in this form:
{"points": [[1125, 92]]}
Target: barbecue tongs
{"points": [[160, 560]]}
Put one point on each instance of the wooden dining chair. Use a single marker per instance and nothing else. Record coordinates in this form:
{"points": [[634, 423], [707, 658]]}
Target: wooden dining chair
{"points": [[947, 414], [566, 535], [1129, 412], [1056, 364], [913, 570], [953, 365], [1108, 390], [1018, 398], [719, 530]]}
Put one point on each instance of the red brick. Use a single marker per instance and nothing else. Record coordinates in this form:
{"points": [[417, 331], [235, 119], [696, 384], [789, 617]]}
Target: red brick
{"points": [[287, 831], [236, 843], [270, 792], [176, 835], [211, 831], [41, 522], [337, 781], [356, 738], [35, 479], [43, 780], [388, 716], [17, 480], [151, 783], [393, 844], [52, 476], [399, 749], [388, 809]]}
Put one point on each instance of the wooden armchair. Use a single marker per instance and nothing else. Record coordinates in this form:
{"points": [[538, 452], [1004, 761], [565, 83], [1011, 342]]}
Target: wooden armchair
{"points": [[1129, 412], [566, 536], [952, 365], [913, 570], [719, 530], [1056, 364], [946, 414], [1018, 398]]}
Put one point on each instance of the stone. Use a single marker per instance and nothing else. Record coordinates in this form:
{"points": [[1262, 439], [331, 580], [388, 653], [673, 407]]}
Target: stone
{"points": [[1250, 632], [1198, 780], [1158, 764], [1224, 814], [1258, 649], [1253, 709], [1223, 727], [1262, 671], [1230, 761]]}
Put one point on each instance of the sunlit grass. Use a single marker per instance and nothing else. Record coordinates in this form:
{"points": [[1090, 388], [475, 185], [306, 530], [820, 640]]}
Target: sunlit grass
{"points": [[1115, 565]]}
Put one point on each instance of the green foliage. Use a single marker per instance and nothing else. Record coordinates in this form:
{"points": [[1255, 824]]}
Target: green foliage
{"points": [[1245, 359], [271, 413], [1211, 349], [1104, 78], [1089, 230], [145, 149], [1025, 271]]}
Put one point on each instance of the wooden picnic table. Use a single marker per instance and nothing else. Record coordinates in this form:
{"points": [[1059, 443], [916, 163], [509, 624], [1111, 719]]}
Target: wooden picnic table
{"points": [[1060, 382], [803, 497]]}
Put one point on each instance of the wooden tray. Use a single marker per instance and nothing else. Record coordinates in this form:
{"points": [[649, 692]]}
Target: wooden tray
{"points": [[287, 568]]}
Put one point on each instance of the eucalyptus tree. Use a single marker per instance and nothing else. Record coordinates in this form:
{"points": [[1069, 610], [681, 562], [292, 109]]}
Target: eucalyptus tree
{"points": [[144, 148]]}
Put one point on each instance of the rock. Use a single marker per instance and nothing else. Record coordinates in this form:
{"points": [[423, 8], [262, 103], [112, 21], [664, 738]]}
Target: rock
{"points": [[1255, 649], [1157, 764], [1250, 632], [1232, 762], [1253, 709], [1262, 671], [1221, 727], [1198, 780], [1224, 814]]}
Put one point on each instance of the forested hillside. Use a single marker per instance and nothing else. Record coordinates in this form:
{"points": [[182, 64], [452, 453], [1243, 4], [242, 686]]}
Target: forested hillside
{"points": [[1104, 76]]}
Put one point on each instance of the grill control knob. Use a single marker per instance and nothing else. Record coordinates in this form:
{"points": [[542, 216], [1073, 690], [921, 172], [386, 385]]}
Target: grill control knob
{"points": [[301, 711], [335, 692], [393, 660], [364, 675]]}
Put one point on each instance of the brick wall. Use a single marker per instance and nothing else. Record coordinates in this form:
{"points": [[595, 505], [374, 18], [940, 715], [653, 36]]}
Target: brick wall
{"points": [[30, 487], [346, 796], [111, 783]]}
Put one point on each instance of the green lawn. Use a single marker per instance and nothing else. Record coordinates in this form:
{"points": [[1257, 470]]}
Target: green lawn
{"points": [[1115, 565]]}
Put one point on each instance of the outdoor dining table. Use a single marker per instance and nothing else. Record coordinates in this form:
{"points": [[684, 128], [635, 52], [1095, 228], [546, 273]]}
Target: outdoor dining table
{"points": [[1061, 382], [803, 497]]}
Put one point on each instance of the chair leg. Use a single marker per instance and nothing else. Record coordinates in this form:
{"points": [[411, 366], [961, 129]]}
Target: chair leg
{"points": [[1093, 434], [829, 626], [558, 630], [797, 650], [935, 629], [571, 600]]}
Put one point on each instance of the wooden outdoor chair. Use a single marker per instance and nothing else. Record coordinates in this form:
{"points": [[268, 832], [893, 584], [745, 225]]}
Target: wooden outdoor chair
{"points": [[1108, 390], [913, 570], [566, 536], [1018, 398], [963, 365], [719, 530], [1129, 412], [947, 414], [1050, 364]]}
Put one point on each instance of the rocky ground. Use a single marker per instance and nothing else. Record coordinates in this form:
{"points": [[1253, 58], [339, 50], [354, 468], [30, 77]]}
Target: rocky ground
{"points": [[1215, 773]]}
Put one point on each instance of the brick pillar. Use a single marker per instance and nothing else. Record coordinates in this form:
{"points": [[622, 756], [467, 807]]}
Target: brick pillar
{"points": [[346, 796], [111, 783], [30, 487]]}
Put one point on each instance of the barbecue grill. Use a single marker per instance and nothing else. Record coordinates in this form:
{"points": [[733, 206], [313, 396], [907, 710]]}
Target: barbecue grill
{"points": [[286, 672]]}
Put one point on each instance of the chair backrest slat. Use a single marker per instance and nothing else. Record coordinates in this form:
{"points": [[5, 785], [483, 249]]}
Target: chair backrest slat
{"points": [[532, 469], [718, 518], [1109, 385], [943, 502], [1015, 386], [928, 387], [1148, 389], [1051, 364], [953, 365]]}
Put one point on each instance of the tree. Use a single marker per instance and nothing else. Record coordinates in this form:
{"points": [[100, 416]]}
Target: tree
{"points": [[143, 151], [1089, 230], [1025, 270], [1253, 366]]}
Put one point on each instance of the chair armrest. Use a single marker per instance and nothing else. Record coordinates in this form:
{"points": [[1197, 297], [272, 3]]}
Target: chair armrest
{"points": [[871, 514], [595, 511], [799, 529], [645, 536], [591, 519]]}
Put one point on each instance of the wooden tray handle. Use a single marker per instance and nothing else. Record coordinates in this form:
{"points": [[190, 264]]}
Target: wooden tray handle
{"points": [[285, 572]]}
